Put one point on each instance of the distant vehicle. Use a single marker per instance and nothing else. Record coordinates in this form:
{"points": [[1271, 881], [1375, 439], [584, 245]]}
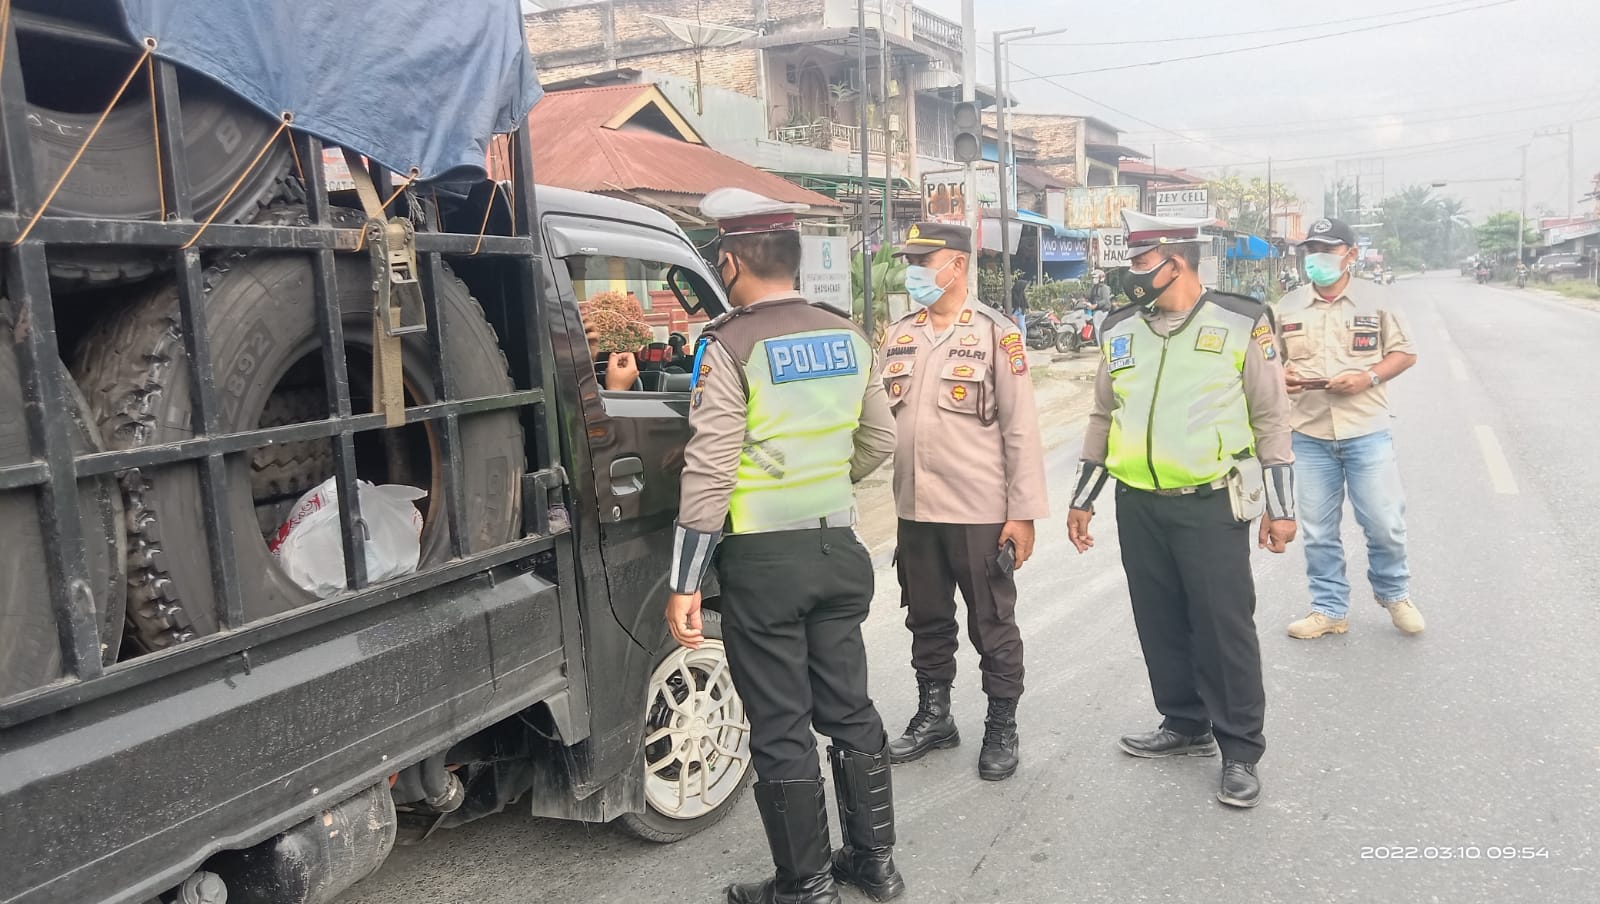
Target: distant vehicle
{"points": [[1484, 272], [1564, 265]]}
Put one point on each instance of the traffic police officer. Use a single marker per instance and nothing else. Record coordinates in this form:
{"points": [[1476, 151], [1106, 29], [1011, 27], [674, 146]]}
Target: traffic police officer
{"points": [[1188, 400], [968, 485], [784, 418]]}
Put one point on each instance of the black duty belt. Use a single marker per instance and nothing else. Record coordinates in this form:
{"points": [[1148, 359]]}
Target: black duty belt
{"points": [[1221, 483]]}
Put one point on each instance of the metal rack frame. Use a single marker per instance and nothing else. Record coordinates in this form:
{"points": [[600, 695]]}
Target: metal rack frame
{"points": [[55, 469]]}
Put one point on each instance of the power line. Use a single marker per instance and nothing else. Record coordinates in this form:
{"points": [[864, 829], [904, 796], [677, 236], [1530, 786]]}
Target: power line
{"points": [[1051, 80], [1240, 34], [1401, 151], [1285, 43], [1271, 129]]}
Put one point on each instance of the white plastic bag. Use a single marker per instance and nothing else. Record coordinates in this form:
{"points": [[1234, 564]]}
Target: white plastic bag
{"points": [[308, 547]]}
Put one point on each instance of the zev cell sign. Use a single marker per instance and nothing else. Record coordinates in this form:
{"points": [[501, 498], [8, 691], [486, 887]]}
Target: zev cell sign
{"points": [[1188, 203]]}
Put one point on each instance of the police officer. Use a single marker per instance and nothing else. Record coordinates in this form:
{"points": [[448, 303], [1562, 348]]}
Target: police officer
{"points": [[968, 485], [784, 418], [1189, 397]]}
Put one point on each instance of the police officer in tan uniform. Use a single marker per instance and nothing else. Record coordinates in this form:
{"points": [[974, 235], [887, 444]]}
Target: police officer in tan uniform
{"points": [[785, 415], [968, 485], [1343, 343]]}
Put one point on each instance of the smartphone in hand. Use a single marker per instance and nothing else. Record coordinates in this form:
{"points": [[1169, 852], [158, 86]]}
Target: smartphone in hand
{"points": [[1309, 384], [1006, 561]]}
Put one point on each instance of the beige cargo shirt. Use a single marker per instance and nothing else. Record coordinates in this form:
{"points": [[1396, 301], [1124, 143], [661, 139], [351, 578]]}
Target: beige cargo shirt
{"points": [[1322, 339], [967, 447]]}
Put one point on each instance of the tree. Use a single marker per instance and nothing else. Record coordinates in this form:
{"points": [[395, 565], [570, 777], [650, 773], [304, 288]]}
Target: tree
{"points": [[1243, 205], [888, 276], [1497, 237]]}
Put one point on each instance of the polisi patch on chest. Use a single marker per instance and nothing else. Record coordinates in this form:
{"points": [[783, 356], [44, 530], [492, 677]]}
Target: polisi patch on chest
{"points": [[1211, 339], [795, 358]]}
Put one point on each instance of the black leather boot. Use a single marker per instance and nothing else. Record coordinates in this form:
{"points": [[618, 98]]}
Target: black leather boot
{"points": [[795, 815], [998, 759], [931, 728], [866, 820]]}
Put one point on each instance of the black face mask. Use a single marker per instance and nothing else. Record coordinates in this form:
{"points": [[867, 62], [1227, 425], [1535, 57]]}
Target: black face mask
{"points": [[727, 282], [1140, 287]]}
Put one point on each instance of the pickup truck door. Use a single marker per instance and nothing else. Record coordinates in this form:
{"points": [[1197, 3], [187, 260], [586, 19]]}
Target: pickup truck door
{"points": [[637, 437]]}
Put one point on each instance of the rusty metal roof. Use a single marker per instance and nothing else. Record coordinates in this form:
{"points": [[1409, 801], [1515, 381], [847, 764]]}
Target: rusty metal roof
{"points": [[625, 138]]}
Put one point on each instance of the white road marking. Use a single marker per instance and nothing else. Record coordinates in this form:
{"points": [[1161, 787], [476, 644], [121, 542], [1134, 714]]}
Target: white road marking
{"points": [[1458, 368], [1494, 458]]}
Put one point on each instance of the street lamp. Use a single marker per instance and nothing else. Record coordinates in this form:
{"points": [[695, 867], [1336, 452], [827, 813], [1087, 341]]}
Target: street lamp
{"points": [[1522, 209], [1002, 91]]}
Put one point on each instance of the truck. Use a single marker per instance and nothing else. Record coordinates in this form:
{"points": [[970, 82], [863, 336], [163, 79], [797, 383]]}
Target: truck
{"points": [[200, 334]]}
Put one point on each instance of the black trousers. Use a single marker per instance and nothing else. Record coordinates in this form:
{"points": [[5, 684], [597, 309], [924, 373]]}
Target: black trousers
{"points": [[792, 607], [1194, 603], [933, 561]]}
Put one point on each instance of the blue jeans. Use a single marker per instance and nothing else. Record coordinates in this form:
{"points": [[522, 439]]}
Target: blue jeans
{"points": [[1366, 464]]}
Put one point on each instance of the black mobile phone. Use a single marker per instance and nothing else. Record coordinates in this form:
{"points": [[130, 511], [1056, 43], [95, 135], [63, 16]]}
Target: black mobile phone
{"points": [[1006, 560]]}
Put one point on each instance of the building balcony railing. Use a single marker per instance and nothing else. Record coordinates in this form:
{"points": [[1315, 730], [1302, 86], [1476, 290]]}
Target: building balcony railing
{"points": [[829, 135], [935, 29]]}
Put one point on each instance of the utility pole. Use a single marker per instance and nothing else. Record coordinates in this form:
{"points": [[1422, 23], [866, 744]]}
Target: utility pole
{"points": [[1003, 163], [1572, 185], [866, 192], [969, 94], [1269, 200], [1522, 206], [888, 137]]}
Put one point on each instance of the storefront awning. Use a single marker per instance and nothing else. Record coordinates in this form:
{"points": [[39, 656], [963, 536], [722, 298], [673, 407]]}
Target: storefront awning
{"points": [[1250, 248]]}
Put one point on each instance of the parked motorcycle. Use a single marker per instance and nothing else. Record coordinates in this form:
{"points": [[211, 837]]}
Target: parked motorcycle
{"points": [[1077, 331], [1043, 329], [1522, 278]]}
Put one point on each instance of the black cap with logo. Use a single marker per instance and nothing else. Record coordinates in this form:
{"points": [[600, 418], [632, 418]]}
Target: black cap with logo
{"points": [[1328, 231], [926, 238]]}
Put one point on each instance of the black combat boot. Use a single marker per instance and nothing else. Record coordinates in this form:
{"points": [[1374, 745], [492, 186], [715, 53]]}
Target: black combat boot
{"points": [[931, 728], [866, 820], [998, 759], [795, 816]]}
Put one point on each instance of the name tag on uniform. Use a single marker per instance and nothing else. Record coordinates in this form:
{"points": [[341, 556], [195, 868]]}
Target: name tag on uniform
{"points": [[792, 358], [1365, 322], [1292, 327]]}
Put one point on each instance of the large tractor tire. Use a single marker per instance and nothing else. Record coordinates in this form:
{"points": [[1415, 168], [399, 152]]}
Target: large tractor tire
{"points": [[68, 86], [30, 649], [266, 354]]}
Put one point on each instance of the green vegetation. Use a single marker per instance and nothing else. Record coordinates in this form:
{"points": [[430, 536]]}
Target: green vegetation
{"points": [[1244, 204], [1577, 288]]}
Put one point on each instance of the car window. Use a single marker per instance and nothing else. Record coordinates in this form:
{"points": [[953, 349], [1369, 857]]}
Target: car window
{"points": [[633, 305]]}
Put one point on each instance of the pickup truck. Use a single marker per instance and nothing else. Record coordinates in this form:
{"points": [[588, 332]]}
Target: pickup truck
{"points": [[181, 721]]}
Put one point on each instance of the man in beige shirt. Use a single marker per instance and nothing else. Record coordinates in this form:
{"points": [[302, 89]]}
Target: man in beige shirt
{"points": [[968, 485], [1343, 343]]}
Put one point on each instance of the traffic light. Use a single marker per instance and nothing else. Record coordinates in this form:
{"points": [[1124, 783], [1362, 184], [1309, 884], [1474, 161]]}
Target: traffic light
{"points": [[969, 133]]}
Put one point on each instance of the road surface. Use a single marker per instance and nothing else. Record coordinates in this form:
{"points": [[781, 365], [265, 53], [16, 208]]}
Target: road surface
{"points": [[1482, 734]]}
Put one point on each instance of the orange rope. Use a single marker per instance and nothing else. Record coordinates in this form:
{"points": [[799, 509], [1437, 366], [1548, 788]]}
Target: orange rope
{"points": [[293, 149], [513, 192], [115, 98], [155, 130], [403, 186], [5, 25], [215, 211], [487, 209]]}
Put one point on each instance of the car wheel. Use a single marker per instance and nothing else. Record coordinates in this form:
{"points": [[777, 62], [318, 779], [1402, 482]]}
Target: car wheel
{"points": [[696, 743]]}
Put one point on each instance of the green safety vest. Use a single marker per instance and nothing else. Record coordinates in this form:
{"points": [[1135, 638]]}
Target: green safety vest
{"points": [[805, 371], [1180, 417]]}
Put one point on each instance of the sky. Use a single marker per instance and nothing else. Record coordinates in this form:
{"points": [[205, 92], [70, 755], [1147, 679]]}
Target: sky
{"points": [[1447, 98]]}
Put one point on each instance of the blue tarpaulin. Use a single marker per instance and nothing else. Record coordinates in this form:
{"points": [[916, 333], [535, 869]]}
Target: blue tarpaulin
{"points": [[409, 83], [1250, 248]]}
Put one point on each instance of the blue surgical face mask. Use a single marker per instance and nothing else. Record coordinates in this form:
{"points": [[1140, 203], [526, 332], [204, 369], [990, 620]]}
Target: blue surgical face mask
{"points": [[1325, 268], [922, 283]]}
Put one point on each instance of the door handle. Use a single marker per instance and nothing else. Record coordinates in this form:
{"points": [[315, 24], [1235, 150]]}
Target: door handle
{"points": [[627, 476]]}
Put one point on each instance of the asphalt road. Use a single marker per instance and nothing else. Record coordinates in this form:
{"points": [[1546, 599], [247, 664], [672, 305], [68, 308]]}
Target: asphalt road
{"points": [[1482, 734]]}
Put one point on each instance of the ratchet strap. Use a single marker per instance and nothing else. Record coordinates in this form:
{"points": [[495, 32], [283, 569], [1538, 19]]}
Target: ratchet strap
{"points": [[397, 308]]}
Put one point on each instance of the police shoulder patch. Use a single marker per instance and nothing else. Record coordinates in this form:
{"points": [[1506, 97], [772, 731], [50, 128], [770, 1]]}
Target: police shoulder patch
{"points": [[1260, 331]]}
